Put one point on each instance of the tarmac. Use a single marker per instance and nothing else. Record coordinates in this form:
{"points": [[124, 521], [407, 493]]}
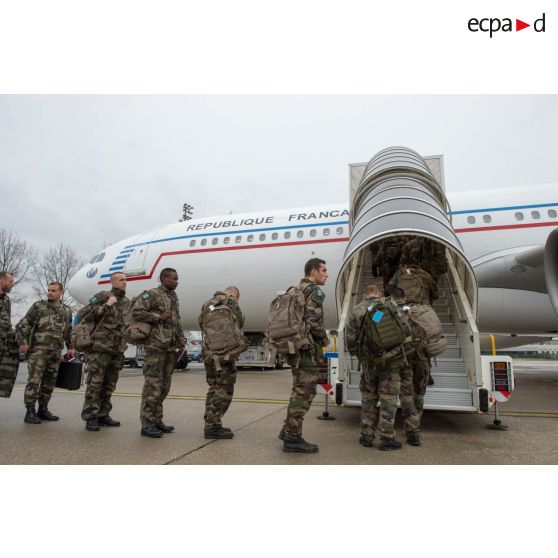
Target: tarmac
{"points": [[256, 416]]}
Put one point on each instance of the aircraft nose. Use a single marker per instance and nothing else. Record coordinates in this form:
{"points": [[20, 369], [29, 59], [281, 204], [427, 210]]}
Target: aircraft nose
{"points": [[79, 283]]}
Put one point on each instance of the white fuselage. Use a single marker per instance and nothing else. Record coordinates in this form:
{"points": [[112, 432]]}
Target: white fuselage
{"points": [[264, 252]]}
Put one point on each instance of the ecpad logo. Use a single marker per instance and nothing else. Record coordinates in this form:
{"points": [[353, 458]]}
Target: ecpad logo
{"points": [[493, 25]]}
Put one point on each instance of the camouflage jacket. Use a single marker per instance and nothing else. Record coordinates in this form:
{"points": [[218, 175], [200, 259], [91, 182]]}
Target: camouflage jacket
{"points": [[6, 330], [314, 311], [389, 251], [46, 326], [165, 335], [230, 302], [110, 321]]}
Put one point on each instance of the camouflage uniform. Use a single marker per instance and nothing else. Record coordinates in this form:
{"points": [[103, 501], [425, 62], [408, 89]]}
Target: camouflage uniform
{"points": [[9, 352], [221, 382], [45, 328], [305, 366], [105, 358], [434, 259], [377, 382], [411, 416], [165, 337], [387, 259], [412, 251]]}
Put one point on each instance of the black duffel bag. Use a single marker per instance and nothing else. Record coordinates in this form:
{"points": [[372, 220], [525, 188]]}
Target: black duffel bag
{"points": [[69, 375]]}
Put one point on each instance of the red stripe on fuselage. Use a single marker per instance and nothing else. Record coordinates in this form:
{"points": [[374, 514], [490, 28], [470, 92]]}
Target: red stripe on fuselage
{"points": [[222, 249], [507, 227]]}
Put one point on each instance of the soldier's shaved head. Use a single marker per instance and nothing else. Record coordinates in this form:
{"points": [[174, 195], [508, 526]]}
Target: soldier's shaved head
{"points": [[6, 281], [118, 280], [372, 290], [233, 291]]}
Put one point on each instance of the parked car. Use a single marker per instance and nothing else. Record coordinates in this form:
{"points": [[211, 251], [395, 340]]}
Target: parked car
{"points": [[195, 354]]}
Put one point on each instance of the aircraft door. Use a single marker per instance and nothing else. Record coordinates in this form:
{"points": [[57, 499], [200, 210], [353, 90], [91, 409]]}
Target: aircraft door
{"points": [[136, 253]]}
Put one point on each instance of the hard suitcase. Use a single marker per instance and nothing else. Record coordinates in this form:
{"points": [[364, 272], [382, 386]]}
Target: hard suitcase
{"points": [[69, 375]]}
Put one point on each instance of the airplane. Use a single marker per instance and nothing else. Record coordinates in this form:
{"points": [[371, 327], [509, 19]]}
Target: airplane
{"points": [[510, 237]]}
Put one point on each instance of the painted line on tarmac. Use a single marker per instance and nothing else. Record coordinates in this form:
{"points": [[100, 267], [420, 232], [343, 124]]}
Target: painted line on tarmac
{"points": [[527, 414], [184, 397]]}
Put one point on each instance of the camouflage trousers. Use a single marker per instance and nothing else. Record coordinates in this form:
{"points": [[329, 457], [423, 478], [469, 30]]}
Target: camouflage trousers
{"points": [[421, 373], [411, 417], [306, 371], [42, 365], [9, 364], [220, 393], [102, 375], [383, 385], [158, 367]]}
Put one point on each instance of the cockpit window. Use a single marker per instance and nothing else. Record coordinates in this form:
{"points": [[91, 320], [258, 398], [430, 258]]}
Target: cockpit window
{"points": [[98, 258]]}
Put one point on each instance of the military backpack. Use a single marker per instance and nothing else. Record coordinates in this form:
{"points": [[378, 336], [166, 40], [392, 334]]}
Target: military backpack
{"points": [[83, 331], [222, 336], [427, 328], [382, 336], [412, 284], [136, 332], [287, 330]]}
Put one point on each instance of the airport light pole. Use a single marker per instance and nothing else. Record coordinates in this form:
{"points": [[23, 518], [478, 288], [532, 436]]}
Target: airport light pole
{"points": [[187, 212]]}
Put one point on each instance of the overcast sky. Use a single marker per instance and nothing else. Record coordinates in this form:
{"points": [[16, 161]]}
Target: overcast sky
{"points": [[89, 169]]}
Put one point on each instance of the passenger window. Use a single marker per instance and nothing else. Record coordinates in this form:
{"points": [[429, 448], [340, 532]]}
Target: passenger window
{"points": [[326, 232], [262, 237], [287, 234], [471, 220], [214, 241], [250, 238], [552, 213], [535, 215], [339, 231], [192, 242], [238, 239], [487, 218], [300, 234], [226, 240], [203, 241], [274, 236], [519, 216], [313, 232]]}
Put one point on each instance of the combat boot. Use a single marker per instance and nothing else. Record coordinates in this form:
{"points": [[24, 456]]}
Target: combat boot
{"points": [[45, 414], [282, 434], [164, 428], [31, 416], [151, 432], [366, 441], [413, 439], [389, 444], [92, 424], [298, 444], [108, 421], [218, 434]]}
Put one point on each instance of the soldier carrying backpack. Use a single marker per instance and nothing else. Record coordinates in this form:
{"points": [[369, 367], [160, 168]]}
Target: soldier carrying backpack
{"points": [[221, 323], [296, 329], [418, 284], [429, 341], [376, 334]]}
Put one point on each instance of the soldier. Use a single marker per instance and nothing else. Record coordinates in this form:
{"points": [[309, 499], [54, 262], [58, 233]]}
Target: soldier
{"points": [[434, 258], [107, 312], [380, 377], [412, 251], [306, 364], [220, 376], [159, 308], [387, 259], [411, 416], [417, 284], [9, 358], [42, 333]]}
